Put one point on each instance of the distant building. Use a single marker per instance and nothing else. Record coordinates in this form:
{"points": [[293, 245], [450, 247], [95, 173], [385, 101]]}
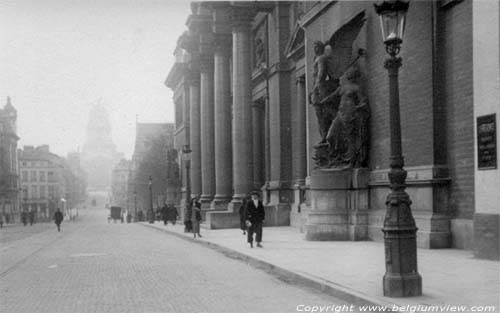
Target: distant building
{"points": [[48, 182], [79, 183], [119, 184], [9, 185], [99, 153]]}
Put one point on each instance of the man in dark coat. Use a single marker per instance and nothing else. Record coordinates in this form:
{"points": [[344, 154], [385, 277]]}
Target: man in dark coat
{"points": [[31, 217], [24, 218], [164, 214], [172, 214], [255, 215], [188, 224], [58, 218]]}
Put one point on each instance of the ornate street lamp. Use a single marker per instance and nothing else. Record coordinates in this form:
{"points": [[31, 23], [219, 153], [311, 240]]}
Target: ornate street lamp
{"points": [[151, 211], [401, 278]]}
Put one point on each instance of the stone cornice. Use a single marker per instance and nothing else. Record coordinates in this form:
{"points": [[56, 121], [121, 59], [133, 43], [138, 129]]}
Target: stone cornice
{"points": [[314, 12], [176, 73]]}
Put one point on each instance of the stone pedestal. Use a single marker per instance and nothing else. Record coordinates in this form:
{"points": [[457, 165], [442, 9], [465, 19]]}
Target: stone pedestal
{"points": [[339, 203]]}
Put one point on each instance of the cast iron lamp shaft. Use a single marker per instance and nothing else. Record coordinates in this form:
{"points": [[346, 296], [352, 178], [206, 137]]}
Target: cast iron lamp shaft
{"points": [[401, 278]]}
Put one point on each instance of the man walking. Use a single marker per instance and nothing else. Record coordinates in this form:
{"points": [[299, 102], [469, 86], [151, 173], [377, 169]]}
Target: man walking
{"points": [[58, 218], [255, 215], [164, 214]]}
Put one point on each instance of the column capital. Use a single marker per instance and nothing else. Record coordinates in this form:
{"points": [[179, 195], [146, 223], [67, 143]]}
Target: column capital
{"points": [[223, 44], [300, 80], [241, 17], [206, 62]]}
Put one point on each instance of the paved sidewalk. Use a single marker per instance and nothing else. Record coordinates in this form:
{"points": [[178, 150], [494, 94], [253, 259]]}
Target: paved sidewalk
{"points": [[353, 271]]}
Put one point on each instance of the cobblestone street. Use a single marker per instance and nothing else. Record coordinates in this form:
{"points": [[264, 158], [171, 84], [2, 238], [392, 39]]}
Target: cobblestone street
{"points": [[93, 266]]}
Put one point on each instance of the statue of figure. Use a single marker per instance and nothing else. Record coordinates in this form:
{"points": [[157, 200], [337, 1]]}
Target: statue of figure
{"points": [[347, 135], [324, 83]]}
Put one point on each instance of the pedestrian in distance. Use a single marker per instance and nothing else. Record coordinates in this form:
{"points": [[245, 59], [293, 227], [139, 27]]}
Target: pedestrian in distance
{"points": [[196, 205], [255, 214], [58, 218], [172, 214], [188, 224], [24, 218], [31, 216], [242, 213], [164, 214]]}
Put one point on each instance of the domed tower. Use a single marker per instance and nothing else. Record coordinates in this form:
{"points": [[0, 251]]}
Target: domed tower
{"points": [[99, 153]]}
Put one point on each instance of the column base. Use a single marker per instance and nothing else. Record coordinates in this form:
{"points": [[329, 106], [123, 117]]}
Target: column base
{"points": [[398, 286], [205, 201], [220, 203]]}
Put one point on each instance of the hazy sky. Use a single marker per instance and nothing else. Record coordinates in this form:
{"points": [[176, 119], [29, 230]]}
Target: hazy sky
{"points": [[59, 57]]}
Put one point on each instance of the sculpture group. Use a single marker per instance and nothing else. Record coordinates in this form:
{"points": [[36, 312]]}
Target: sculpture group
{"points": [[342, 112]]}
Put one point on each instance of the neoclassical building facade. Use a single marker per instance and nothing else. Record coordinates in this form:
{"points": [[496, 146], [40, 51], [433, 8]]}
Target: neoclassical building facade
{"points": [[245, 82]]}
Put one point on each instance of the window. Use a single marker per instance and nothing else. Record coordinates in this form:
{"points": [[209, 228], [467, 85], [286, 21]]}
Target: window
{"points": [[41, 175], [43, 195], [51, 191], [24, 175], [33, 175], [34, 192], [50, 176], [25, 192]]}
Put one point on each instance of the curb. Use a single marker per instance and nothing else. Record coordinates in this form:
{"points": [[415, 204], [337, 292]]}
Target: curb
{"points": [[322, 285]]}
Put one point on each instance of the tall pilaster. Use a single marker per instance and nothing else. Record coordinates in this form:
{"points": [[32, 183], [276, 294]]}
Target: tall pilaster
{"points": [[258, 129], [207, 109], [242, 108], [299, 138], [222, 86]]}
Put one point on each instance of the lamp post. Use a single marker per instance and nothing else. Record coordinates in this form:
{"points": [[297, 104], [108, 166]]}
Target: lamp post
{"points": [[401, 278], [151, 211], [135, 205], [186, 152]]}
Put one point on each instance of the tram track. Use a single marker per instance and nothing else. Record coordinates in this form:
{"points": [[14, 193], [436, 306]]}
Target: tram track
{"points": [[37, 250]]}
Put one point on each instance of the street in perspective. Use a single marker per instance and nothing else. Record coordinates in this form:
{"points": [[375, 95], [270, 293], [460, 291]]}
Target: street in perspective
{"points": [[249, 156]]}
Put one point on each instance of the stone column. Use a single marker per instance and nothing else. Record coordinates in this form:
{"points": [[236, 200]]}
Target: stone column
{"points": [[242, 109], [299, 148], [207, 118], [223, 145], [194, 125]]}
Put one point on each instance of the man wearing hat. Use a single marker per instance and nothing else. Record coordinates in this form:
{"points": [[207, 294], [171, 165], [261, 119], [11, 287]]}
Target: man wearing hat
{"points": [[255, 215]]}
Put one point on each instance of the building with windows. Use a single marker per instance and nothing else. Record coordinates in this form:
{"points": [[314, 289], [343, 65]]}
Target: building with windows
{"points": [[49, 181], [254, 92], [9, 176]]}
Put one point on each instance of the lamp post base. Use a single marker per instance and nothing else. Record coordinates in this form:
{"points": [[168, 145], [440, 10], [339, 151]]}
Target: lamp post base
{"points": [[404, 285]]}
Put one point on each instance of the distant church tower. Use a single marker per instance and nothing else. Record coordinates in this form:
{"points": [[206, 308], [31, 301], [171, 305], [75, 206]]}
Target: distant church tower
{"points": [[99, 153]]}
